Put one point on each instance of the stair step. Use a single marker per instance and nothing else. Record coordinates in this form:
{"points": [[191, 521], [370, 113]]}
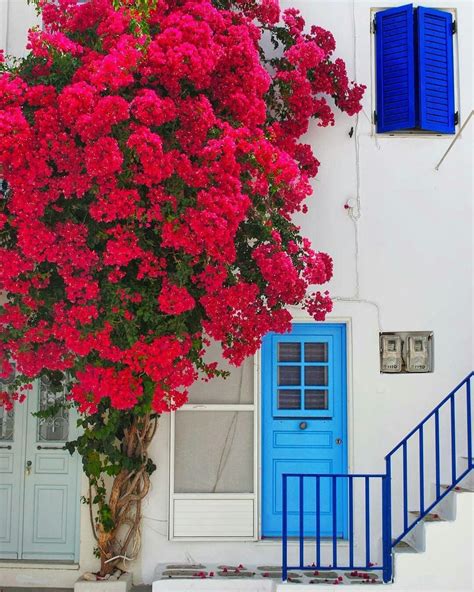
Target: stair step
{"points": [[254, 578], [405, 547], [431, 517], [457, 488]]}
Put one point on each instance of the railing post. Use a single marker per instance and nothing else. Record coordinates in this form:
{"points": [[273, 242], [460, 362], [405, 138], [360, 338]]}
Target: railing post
{"points": [[351, 521], [301, 508], [422, 470], [284, 532], [367, 521], [437, 456], [334, 522], [387, 521], [405, 485], [453, 438], [469, 423], [318, 526]]}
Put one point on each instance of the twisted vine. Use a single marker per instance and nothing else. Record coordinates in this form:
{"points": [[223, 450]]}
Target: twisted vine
{"points": [[114, 445]]}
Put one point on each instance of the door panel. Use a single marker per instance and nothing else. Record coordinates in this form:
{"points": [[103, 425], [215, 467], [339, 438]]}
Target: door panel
{"points": [[304, 425], [11, 475], [51, 484], [51, 526]]}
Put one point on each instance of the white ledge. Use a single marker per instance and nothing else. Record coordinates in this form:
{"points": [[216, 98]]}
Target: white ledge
{"points": [[23, 564]]}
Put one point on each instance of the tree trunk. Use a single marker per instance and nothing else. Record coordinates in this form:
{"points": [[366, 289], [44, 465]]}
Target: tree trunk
{"points": [[121, 543], [104, 540]]}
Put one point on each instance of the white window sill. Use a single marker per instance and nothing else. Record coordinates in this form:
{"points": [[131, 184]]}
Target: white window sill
{"points": [[420, 135]]}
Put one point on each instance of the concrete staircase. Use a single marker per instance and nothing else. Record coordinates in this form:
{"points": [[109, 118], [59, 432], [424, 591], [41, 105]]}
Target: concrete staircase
{"points": [[437, 554]]}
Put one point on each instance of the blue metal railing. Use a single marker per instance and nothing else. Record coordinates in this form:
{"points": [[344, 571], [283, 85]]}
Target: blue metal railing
{"points": [[310, 520], [295, 519], [417, 439]]}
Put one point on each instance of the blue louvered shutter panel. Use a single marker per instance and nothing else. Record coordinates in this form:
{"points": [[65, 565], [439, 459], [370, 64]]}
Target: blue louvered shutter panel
{"points": [[395, 65], [435, 70]]}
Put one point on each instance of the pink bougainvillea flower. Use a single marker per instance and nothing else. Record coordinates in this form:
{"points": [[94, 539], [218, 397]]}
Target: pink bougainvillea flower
{"points": [[175, 299], [154, 163]]}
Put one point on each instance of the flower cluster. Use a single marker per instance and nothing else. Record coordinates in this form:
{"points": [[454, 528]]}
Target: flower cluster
{"points": [[154, 163]]}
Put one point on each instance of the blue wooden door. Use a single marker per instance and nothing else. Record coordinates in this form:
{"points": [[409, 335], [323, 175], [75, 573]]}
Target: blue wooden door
{"points": [[304, 403]]}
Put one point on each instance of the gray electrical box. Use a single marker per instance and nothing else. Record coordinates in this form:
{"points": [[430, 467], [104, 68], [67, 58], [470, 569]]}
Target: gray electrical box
{"points": [[406, 352], [390, 353]]}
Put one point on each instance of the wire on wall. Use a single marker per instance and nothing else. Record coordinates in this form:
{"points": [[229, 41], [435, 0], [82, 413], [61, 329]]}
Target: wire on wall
{"points": [[354, 210]]}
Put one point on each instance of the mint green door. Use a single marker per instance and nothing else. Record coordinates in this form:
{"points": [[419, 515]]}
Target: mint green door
{"points": [[45, 508], [12, 445]]}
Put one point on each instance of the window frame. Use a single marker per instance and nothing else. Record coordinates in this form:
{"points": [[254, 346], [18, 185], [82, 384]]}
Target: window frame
{"points": [[301, 412], [253, 497], [413, 133]]}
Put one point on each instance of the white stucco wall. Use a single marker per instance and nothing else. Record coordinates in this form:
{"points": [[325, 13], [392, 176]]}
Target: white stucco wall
{"points": [[413, 269]]}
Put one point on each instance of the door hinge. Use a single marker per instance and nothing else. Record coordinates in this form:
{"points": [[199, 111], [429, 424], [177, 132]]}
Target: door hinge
{"points": [[374, 26], [375, 117], [454, 28], [456, 118]]}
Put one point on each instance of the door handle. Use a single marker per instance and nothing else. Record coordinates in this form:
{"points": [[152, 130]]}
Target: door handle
{"points": [[28, 466], [338, 440], [303, 425], [6, 447], [50, 448]]}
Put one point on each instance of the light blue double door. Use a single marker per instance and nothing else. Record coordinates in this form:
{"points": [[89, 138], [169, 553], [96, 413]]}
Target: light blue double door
{"points": [[304, 418], [39, 498]]}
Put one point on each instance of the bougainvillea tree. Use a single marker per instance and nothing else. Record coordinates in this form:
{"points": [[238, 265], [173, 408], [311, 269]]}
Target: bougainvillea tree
{"points": [[153, 160]]}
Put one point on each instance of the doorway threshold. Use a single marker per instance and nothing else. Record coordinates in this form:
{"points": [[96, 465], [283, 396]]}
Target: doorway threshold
{"points": [[38, 564]]}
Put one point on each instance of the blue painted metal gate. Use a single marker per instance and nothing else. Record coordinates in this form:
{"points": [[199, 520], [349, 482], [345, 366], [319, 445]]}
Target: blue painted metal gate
{"points": [[304, 401]]}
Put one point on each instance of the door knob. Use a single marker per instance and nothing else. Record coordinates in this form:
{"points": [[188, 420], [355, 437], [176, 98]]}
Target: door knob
{"points": [[303, 425], [28, 466], [338, 440]]}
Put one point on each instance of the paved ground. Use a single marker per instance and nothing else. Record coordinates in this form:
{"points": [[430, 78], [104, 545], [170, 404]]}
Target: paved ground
{"points": [[4, 589]]}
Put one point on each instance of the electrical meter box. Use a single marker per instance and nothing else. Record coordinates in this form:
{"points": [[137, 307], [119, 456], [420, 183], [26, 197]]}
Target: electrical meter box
{"points": [[406, 352], [390, 353], [417, 353]]}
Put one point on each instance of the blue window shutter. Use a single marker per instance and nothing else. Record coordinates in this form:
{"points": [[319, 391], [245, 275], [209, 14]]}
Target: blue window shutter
{"points": [[435, 70], [395, 68]]}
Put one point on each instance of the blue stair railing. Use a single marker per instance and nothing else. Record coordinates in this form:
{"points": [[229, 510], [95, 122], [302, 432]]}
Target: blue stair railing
{"points": [[358, 490], [427, 436]]}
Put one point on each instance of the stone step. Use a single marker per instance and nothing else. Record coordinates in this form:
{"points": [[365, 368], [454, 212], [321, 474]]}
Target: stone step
{"points": [[430, 517], [456, 488], [405, 547], [225, 574]]}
